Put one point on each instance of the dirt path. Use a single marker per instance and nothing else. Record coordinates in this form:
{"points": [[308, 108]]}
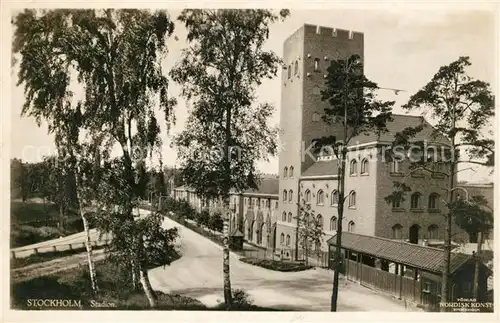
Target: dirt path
{"points": [[52, 266]]}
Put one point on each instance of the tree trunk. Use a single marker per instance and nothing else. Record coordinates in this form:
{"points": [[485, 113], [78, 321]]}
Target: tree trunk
{"points": [[61, 217], [476, 269], [225, 264], [338, 242], [88, 245], [447, 238], [146, 286]]}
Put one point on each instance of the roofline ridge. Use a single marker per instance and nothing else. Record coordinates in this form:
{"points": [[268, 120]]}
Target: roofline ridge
{"points": [[395, 241]]}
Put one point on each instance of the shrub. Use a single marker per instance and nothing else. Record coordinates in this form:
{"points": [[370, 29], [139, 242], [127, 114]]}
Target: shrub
{"points": [[203, 218], [284, 266], [216, 222], [25, 234]]}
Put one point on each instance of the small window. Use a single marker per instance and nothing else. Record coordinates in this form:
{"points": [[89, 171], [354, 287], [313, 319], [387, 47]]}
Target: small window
{"points": [[333, 224], [282, 238], [395, 166], [285, 172], [351, 226], [397, 231], [316, 64], [319, 218], [308, 196], [335, 197], [296, 68], [353, 170], [396, 204], [290, 196], [290, 217], [285, 195], [287, 240], [290, 172], [352, 199], [433, 232], [315, 117], [415, 201], [283, 217], [427, 287], [320, 197], [433, 201], [364, 166]]}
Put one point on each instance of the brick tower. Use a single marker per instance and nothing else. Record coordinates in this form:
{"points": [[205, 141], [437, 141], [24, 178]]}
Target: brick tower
{"points": [[307, 53]]}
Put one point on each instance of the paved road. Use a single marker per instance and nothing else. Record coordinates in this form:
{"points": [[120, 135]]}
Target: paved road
{"points": [[198, 274]]}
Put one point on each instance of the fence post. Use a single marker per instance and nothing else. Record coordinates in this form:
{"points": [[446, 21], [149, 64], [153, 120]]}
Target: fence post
{"points": [[70, 246], [13, 254], [36, 250], [54, 248]]}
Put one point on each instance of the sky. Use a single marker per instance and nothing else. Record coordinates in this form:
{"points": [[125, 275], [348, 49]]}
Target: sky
{"points": [[403, 50]]}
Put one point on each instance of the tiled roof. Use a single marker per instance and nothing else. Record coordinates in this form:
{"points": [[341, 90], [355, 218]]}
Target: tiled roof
{"points": [[399, 123], [423, 257], [269, 186], [321, 168]]}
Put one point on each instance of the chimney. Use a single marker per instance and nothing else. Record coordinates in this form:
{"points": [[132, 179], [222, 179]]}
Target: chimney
{"points": [[425, 243]]}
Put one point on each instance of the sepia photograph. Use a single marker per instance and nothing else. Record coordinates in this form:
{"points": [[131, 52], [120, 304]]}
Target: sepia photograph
{"points": [[250, 159]]}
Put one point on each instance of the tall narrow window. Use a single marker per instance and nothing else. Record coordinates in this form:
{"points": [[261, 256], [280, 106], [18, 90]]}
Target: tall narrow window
{"points": [[316, 64], [335, 197], [333, 224], [320, 198], [353, 170], [432, 232], [290, 217], [319, 218], [364, 166], [290, 172], [285, 195], [289, 71], [290, 196], [415, 200], [397, 231], [282, 238], [433, 201], [296, 68], [352, 199], [308, 196], [287, 240], [283, 217], [351, 226], [285, 172]]}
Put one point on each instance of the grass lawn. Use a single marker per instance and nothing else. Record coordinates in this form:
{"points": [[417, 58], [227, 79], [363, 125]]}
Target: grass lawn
{"points": [[115, 292], [285, 266]]}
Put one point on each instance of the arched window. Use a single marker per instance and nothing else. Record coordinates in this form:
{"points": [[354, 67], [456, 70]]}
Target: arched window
{"points": [[296, 68], [276, 205], [433, 201], [352, 199], [290, 195], [397, 231], [319, 218], [433, 232], [320, 198], [308, 196], [334, 197], [415, 200], [333, 224], [364, 166], [282, 238], [289, 71], [351, 226], [353, 170], [287, 240], [283, 217], [315, 117], [290, 217], [316, 64], [290, 172], [285, 196], [285, 172]]}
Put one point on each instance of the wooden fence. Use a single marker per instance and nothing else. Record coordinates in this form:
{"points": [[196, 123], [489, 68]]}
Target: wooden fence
{"points": [[57, 248]]}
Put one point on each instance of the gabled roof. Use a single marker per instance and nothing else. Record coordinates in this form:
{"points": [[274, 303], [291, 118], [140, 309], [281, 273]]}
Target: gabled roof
{"points": [[399, 123], [268, 186], [414, 255], [322, 168]]}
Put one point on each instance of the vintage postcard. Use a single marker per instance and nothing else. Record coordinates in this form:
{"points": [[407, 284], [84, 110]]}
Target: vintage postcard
{"points": [[185, 162]]}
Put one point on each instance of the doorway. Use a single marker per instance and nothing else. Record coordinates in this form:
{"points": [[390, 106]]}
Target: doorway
{"points": [[414, 230]]}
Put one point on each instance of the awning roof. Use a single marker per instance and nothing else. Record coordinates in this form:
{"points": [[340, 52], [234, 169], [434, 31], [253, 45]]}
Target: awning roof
{"points": [[414, 255]]}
